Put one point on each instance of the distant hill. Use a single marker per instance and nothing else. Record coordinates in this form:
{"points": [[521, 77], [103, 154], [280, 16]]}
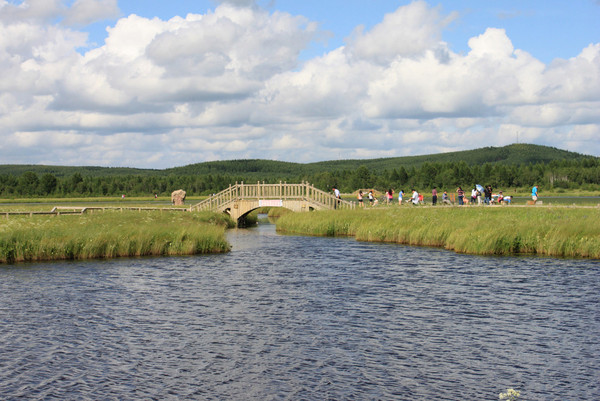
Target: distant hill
{"points": [[246, 167], [507, 155], [511, 154], [263, 169], [64, 171]]}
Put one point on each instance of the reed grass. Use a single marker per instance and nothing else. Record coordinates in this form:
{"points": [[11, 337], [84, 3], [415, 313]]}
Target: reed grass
{"points": [[550, 231], [111, 234], [278, 212]]}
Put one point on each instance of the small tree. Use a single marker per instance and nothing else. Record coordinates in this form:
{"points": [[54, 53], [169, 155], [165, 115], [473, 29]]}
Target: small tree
{"points": [[48, 184], [28, 183]]}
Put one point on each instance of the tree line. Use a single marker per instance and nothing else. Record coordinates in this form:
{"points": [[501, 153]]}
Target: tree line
{"points": [[568, 174]]}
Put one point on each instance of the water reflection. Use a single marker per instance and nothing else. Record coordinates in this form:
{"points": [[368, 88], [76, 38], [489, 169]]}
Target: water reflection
{"points": [[285, 317]]}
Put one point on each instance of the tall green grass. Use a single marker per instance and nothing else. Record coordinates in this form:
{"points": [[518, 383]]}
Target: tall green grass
{"points": [[278, 212], [111, 234], [556, 231]]}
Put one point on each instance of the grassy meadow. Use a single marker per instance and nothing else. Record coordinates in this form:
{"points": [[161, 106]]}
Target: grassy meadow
{"points": [[551, 231], [111, 234]]}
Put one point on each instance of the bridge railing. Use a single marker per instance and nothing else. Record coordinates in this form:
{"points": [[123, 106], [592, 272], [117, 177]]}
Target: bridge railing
{"points": [[216, 201], [283, 191]]}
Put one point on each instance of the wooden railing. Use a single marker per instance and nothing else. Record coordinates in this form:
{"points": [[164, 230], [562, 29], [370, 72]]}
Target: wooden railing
{"points": [[282, 191], [64, 210]]}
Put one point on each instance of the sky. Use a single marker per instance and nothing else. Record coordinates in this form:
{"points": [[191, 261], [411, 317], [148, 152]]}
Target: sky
{"points": [[156, 84]]}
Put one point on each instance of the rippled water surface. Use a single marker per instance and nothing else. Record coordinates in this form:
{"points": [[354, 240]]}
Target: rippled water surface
{"points": [[284, 317]]}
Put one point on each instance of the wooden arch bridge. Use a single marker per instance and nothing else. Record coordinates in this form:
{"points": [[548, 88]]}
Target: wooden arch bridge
{"points": [[240, 199]]}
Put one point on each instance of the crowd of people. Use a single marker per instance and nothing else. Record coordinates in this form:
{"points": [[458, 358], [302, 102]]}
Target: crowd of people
{"points": [[482, 196], [478, 196]]}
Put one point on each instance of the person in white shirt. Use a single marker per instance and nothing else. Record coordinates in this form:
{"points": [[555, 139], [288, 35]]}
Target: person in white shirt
{"points": [[415, 197], [336, 192]]}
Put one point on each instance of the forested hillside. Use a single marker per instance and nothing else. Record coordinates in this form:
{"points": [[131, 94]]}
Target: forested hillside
{"points": [[513, 166]]}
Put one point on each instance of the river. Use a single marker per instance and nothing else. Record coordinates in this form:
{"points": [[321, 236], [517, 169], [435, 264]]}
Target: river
{"points": [[301, 318]]}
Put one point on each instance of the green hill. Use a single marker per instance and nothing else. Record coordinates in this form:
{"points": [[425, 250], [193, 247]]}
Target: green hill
{"points": [[248, 168], [513, 166], [506, 155], [64, 171], [516, 154]]}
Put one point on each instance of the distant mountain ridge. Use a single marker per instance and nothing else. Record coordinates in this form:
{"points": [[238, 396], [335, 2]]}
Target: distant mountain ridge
{"points": [[507, 155]]}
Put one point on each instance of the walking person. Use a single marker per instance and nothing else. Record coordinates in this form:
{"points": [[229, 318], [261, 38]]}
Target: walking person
{"points": [[372, 200], [336, 193], [434, 196], [400, 197], [534, 194], [390, 196], [473, 195], [360, 198], [487, 194], [461, 195]]}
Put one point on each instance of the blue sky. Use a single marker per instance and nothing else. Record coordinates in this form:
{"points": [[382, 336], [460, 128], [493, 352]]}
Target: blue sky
{"points": [[162, 84], [547, 29]]}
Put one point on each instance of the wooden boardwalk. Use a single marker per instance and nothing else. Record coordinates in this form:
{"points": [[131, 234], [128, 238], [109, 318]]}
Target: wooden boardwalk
{"points": [[65, 210]]}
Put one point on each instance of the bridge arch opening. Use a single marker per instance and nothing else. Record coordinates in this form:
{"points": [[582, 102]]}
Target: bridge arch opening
{"points": [[240, 222], [243, 219]]}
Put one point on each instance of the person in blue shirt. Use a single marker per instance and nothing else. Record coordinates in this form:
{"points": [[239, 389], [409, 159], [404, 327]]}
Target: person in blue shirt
{"points": [[534, 193]]}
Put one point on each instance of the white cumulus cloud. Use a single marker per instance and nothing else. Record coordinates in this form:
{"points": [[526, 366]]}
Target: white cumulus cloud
{"points": [[87, 11], [230, 84]]}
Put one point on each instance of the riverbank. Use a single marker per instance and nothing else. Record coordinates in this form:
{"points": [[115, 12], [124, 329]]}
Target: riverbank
{"points": [[549, 231], [111, 234]]}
